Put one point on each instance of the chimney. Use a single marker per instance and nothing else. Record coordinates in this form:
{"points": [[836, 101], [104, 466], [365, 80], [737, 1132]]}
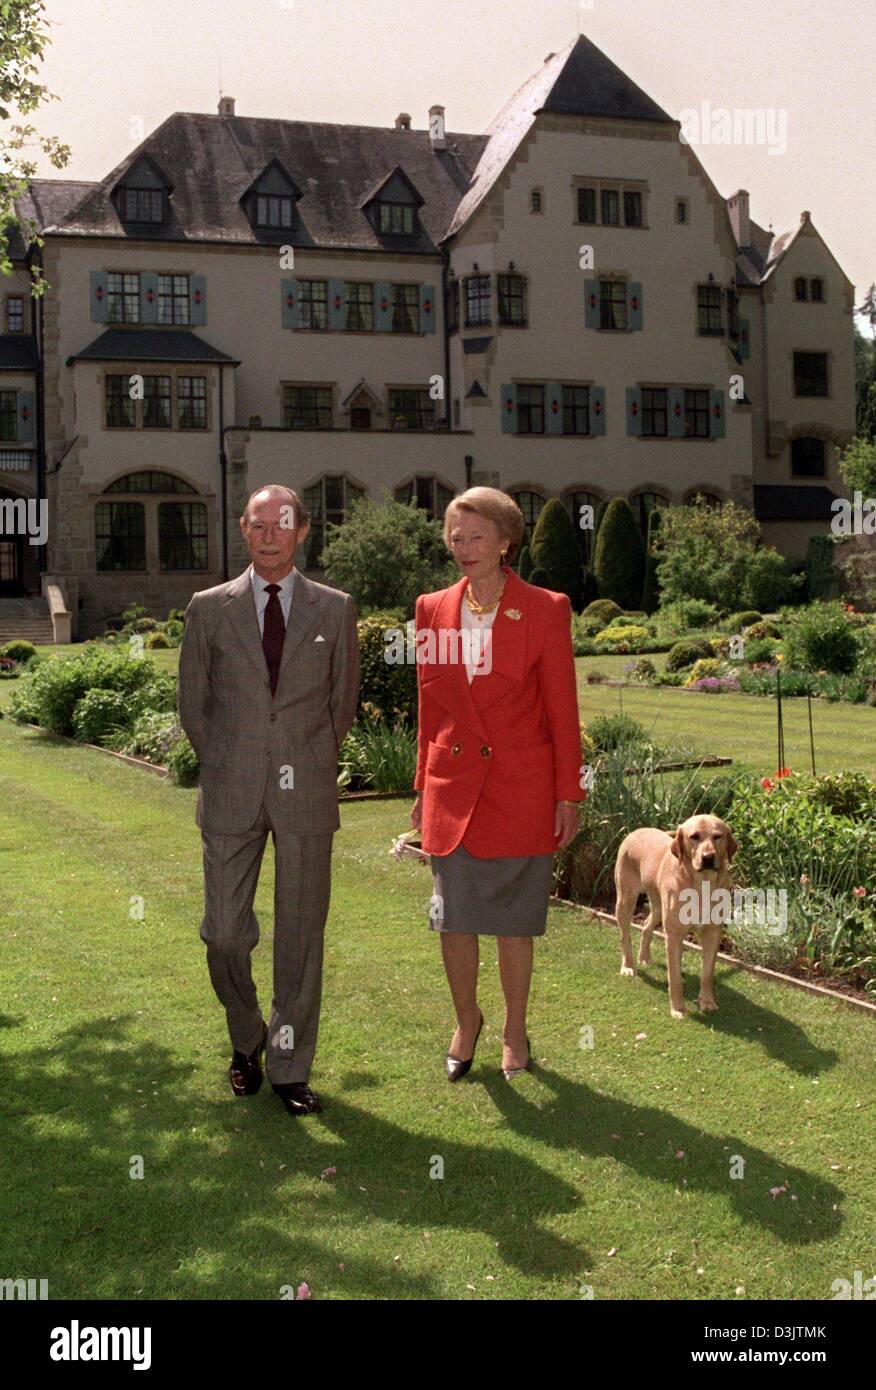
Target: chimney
{"points": [[226, 106], [436, 128], [403, 121], [737, 206], [805, 219]]}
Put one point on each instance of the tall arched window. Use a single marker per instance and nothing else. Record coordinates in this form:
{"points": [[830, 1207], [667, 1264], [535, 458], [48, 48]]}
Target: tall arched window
{"points": [[328, 502], [427, 493], [121, 526], [643, 505]]}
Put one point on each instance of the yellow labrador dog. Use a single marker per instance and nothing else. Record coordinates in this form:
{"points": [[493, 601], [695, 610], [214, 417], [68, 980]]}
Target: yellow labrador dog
{"points": [[678, 872]]}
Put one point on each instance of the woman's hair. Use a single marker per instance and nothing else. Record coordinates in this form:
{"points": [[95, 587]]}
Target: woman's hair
{"points": [[494, 506]]}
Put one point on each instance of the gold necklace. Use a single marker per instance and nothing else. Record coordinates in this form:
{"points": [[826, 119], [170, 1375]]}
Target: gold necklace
{"points": [[480, 609]]}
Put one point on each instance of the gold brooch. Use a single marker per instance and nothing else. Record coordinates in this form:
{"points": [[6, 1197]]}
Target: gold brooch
{"points": [[513, 613]]}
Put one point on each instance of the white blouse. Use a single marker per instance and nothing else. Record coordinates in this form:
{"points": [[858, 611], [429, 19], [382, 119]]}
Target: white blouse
{"points": [[472, 623]]}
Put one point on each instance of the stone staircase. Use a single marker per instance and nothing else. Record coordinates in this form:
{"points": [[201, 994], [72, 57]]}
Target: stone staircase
{"points": [[27, 618]]}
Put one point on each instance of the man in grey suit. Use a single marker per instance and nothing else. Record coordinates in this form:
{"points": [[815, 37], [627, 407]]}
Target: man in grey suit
{"points": [[268, 684]]}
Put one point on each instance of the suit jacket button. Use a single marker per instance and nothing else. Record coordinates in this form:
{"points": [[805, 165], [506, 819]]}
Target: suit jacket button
{"points": [[273, 717], [267, 750], [456, 750], [485, 752]]}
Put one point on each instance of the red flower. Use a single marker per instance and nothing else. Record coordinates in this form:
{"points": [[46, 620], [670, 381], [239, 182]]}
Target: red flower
{"points": [[767, 784]]}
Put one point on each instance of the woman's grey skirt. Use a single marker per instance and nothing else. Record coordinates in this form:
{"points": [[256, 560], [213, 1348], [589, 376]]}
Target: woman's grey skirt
{"points": [[490, 897]]}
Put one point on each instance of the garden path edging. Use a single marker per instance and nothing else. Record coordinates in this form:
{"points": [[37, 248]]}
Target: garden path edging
{"points": [[775, 976]]}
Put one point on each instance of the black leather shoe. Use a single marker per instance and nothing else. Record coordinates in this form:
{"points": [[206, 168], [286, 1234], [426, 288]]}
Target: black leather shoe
{"points": [[453, 1067], [246, 1071], [510, 1072], [298, 1098]]}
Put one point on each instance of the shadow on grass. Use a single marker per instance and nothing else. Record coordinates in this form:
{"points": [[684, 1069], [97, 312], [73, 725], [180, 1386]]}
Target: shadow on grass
{"points": [[742, 1018], [217, 1217], [214, 1216], [647, 1141]]}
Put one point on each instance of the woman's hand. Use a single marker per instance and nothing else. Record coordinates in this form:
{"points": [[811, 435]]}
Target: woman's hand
{"points": [[566, 823], [417, 812]]}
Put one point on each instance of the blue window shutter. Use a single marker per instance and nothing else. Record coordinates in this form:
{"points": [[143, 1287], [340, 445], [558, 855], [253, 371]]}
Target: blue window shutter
{"points": [[148, 297], [427, 308], [289, 315], [24, 407], [591, 303], [197, 300], [597, 410], [383, 307], [634, 304], [634, 410], [509, 409], [675, 411], [337, 303], [99, 300], [553, 406], [716, 415], [744, 339]]}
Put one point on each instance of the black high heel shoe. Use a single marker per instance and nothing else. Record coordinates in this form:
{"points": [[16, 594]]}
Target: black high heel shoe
{"points": [[510, 1072], [453, 1067]]}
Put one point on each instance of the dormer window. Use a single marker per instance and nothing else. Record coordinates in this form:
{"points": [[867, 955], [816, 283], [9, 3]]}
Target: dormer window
{"points": [[141, 197], [270, 201], [392, 207], [143, 205], [398, 219], [273, 210]]}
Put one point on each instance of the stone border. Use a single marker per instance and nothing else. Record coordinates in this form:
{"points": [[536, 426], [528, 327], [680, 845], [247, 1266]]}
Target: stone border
{"points": [[772, 975], [165, 772]]}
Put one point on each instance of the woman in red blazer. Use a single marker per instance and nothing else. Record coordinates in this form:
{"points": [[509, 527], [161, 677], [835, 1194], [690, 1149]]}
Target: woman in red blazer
{"points": [[499, 762]]}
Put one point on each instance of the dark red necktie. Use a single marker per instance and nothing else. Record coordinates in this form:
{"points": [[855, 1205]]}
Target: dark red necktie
{"points": [[273, 633]]}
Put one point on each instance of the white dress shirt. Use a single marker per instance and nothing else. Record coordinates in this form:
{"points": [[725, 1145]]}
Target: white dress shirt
{"points": [[259, 589]]}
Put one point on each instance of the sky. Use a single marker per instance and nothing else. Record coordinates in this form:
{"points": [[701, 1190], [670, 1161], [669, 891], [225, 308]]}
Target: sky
{"points": [[120, 67]]}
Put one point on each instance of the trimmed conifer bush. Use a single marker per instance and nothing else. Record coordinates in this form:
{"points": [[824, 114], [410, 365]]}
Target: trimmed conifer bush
{"points": [[619, 555], [555, 550]]}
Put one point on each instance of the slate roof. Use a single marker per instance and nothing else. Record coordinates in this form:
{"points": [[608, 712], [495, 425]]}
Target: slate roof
{"points": [[579, 80], [150, 345], [44, 201], [18, 352], [213, 160], [790, 502]]}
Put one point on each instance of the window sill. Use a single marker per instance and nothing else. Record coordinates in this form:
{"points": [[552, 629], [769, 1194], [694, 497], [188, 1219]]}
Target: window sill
{"points": [[520, 323]]}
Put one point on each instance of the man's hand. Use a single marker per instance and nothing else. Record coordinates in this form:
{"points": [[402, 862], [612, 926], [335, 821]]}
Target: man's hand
{"points": [[566, 823]]}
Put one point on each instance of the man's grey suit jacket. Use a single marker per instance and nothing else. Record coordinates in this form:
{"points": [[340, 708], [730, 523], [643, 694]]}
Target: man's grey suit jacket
{"points": [[243, 735]]}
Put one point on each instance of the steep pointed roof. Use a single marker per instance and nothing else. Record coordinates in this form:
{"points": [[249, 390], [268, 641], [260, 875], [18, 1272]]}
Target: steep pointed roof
{"points": [[579, 80]]}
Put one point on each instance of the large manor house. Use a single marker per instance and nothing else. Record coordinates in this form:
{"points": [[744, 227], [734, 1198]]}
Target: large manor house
{"points": [[564, 306]]}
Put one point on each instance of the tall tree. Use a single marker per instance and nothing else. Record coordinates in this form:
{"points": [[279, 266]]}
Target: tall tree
{"points": [[23, 38]]}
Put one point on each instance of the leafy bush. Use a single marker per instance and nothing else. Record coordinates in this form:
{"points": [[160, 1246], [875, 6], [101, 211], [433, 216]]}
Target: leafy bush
{"points": [[686, 652], [737, 621], [379, 755], [595, 677], [820, 638], [643, 669], [627, 620], [388, 687], [101, 712], [845, 794], [144, 625], [156, 639], [601, 613], [18, 650], [705, 666], [50, 691], [764, 628], [9, 669], [609, 731], [386, 554], [182, 762], [759, 649], [621, 638]]}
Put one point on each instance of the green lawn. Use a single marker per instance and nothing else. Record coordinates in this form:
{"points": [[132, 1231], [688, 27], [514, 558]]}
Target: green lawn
{"points": [[608, 1167]]}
